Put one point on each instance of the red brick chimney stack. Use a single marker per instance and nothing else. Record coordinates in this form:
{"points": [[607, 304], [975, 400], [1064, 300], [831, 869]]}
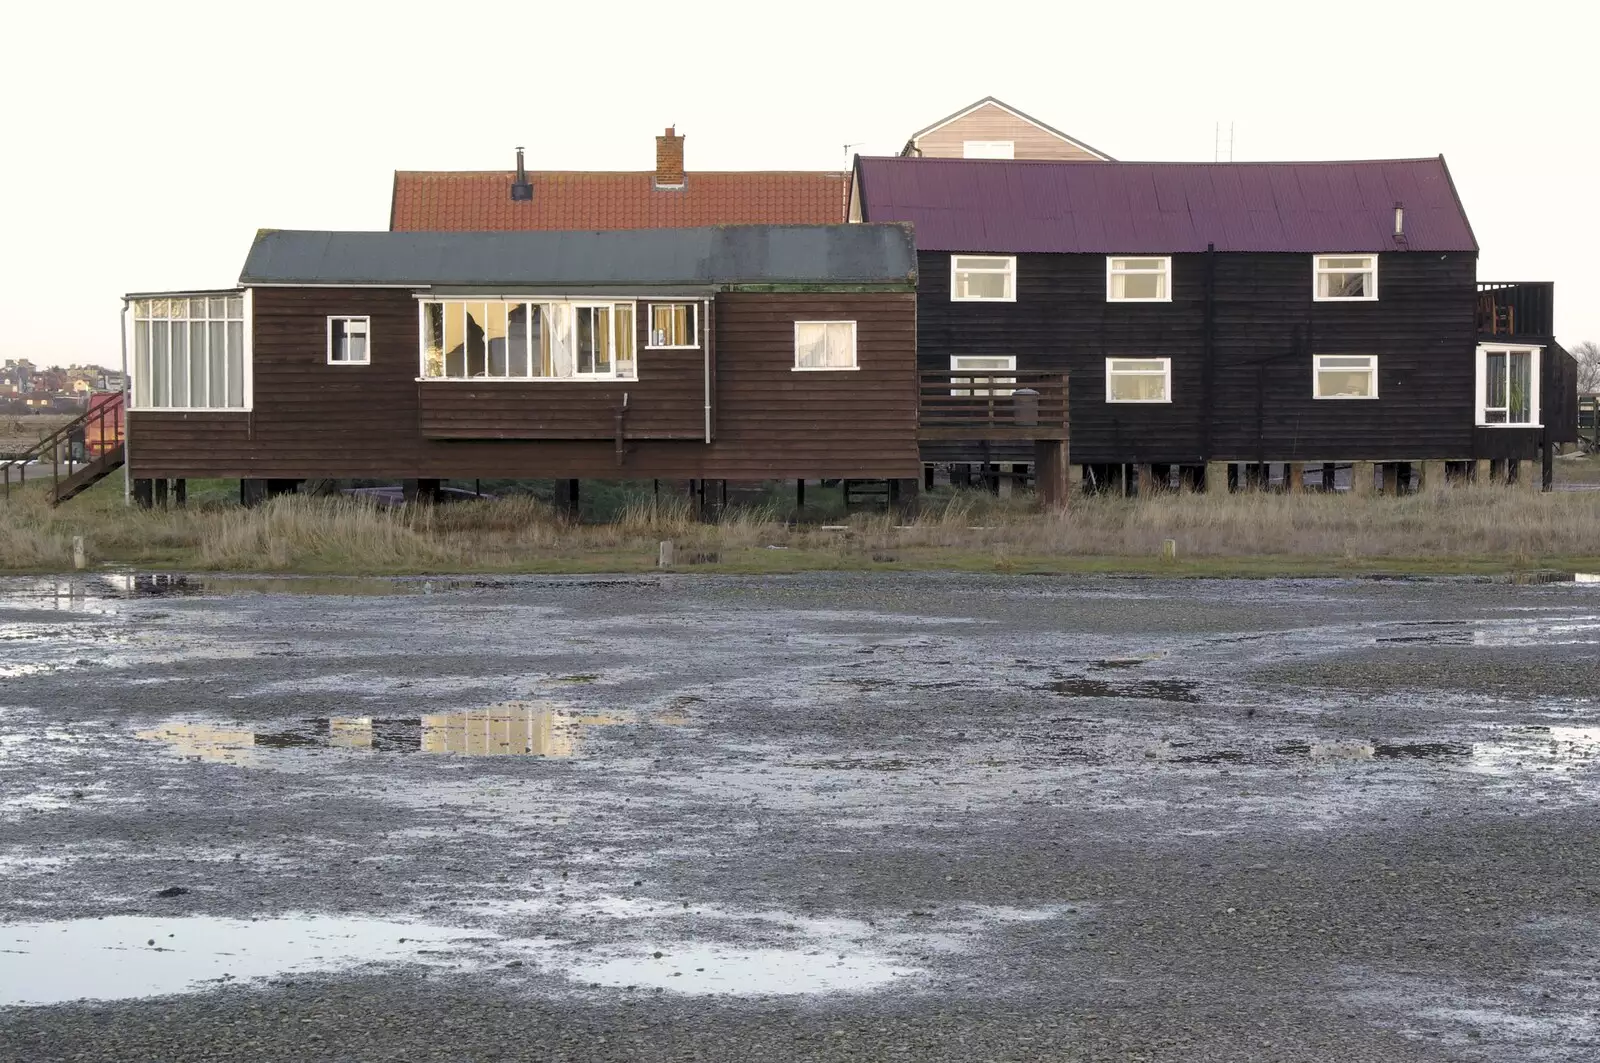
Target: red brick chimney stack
{"points": [[669, 160]]}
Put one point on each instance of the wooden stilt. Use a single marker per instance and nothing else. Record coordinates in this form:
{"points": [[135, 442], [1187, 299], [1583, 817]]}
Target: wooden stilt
{"points": [[1294, 478], [1051, 465], [1217, 477], [1361, 478]]}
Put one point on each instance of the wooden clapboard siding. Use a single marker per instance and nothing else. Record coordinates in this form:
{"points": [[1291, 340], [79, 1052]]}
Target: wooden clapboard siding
{"points": [[991, 122], [1258, 405], [310, 419]]}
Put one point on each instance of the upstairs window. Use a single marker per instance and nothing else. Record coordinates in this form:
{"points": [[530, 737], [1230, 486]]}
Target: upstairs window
{"points": [[491, 339], [988, 149], [1138, 379], [986, 369], [824, 345], [1344, 376], [1345, 278], [189, 353], [983, 278], [1508, 386], [1138, 280], [674, 325], [347, 340]]}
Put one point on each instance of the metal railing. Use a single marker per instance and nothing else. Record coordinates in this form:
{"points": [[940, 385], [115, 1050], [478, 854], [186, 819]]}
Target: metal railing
{"points": [[1520, 308], [76, 445], [976, 399]]}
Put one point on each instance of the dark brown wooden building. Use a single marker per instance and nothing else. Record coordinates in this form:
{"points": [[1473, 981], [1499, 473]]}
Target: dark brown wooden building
{"points": [[1231, 316], [728, 353]]}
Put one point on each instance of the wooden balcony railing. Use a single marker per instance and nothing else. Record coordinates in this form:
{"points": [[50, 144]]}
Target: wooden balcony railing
{"points": [[1523, 308], [994, 405]]}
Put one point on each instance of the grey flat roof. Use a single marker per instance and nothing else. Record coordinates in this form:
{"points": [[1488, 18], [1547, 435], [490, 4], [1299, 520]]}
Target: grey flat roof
{"points": [[719, 255]]}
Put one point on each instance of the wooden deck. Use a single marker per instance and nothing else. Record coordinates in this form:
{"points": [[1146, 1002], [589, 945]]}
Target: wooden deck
{"points": [[994, 406]]}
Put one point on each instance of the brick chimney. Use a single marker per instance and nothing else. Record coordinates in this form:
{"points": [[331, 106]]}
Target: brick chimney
{"points": [[669, 160]]}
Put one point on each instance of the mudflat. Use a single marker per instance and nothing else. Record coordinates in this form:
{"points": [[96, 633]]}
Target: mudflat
{"points": [[851, 816]]}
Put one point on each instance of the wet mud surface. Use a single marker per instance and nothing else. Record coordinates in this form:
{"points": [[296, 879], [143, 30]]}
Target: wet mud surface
{"points": [[830, 817]]}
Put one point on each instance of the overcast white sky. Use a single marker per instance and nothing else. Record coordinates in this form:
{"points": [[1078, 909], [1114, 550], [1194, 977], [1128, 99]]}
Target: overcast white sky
{"points": [[147, 142]]}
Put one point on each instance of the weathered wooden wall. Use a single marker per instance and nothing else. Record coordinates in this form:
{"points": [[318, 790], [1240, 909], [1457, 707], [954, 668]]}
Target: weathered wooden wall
{"points": [[311, 419], [1252, 401]]}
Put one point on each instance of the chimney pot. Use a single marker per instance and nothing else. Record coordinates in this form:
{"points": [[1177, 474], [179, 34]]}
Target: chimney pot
{"points": [[669, 159]]}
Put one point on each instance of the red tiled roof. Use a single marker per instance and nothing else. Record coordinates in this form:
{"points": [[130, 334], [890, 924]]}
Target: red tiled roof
{"points": [[467, 201]]}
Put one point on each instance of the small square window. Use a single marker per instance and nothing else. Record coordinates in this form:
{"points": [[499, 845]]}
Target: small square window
{"points": [[348, 341], [986, 369], [1344, 376], [1344, 278], [1138, 379], [674, 325], [983, 278], [824, 345], [1139, 280]]}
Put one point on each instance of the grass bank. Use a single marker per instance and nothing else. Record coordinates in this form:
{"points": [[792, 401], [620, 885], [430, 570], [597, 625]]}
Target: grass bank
{"points": [[1461, 530]]}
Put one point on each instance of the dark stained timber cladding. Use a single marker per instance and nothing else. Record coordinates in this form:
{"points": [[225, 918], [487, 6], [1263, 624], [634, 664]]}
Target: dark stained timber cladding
{"points": [[1258, 405], [311, 419]]}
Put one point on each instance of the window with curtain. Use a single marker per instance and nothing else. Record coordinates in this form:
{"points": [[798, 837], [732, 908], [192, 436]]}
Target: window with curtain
{"points": [[1509, 392], [188, 352], [497, 339], [1138, 280], [347, 340], [1344, 376], [824, 345], [983, 278], [1138, 379], [674, 325], [1348, 278]]}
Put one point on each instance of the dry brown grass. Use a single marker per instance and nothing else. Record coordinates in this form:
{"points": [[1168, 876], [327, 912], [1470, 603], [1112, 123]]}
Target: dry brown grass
{"points": [[1453, 528]]}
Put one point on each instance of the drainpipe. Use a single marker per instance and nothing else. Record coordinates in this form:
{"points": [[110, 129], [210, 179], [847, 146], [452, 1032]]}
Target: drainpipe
{"points": [[127, 482], [705, 350], [1207, 414]]}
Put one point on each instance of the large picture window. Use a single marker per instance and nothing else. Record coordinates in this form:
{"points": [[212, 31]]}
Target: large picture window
{"points": [[1138, 379], [189, 352], [824, 345], [1508, 386], [1344, 278], [983, 278], [1344, 376], [492, 339]]}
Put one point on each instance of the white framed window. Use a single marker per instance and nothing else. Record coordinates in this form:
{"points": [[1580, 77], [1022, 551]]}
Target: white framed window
{"points": [[1508, 386], [1138, 279], [496, 339], [1344, 376], [986, 369], [191, 352], [1344, 278], [674, 325], [988, 149], [983, 278], [349, 340], [824, 346], [1138, 379]]}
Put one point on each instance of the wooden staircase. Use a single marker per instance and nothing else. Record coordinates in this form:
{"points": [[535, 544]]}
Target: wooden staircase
{"points": [[80, 453]]}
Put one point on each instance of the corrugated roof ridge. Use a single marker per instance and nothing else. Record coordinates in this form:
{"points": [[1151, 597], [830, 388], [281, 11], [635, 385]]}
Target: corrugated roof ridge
{"points": [[623, 173], [928, 160]]}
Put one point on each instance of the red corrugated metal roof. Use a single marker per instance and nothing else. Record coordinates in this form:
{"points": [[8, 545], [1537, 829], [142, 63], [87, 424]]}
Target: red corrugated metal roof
{"points": [[1163, 208], [456, 201]]}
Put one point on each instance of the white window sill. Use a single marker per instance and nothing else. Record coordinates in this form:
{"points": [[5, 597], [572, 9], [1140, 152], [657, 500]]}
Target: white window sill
{"points": [[333, 362], [1502, 425], [1109, 299], [189, 409], [1138, 402], [1344, 298], [527, 380], [824, 368], [1344, 398], [982, 299], [673, 347]]}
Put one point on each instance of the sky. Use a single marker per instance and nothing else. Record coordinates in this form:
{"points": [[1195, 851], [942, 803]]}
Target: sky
{"points": [[147, 143]]}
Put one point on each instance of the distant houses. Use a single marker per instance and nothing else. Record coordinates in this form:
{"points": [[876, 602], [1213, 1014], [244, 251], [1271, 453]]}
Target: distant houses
{"points": [[1212, 326]]}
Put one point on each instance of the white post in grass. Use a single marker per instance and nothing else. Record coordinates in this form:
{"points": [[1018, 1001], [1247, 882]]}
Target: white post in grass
{"points": [[1169, 549], [665, 559], [80, 559]]}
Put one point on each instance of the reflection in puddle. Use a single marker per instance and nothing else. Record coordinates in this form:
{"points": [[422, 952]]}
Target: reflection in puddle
{"points": [[124, 957], [97, 593], [1555, 631], [700, 968], [512, 728], [1154, 689]]}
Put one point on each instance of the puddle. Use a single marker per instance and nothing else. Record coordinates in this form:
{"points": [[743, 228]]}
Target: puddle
{"points": [[1556, 631], [513, 728], [1153, 689], [701, 969], [125, 957]]}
